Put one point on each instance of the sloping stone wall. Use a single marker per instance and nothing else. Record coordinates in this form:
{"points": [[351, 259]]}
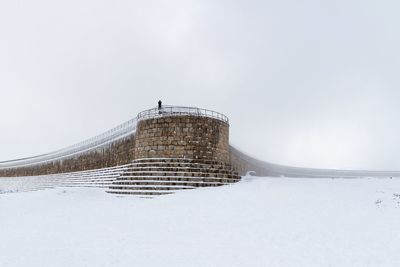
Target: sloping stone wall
{"points": [[190, 137], [243, 163], [117, 153]]}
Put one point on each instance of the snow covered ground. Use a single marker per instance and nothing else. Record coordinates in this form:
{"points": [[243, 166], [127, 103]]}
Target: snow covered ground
{"points": [[259, 222]]}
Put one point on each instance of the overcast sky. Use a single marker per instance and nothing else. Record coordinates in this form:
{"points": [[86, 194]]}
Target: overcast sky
{"points": [[306, 83]]}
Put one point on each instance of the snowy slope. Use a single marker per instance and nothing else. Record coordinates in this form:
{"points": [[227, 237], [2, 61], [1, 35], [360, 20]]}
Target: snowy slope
{"points": [[258, 222]]}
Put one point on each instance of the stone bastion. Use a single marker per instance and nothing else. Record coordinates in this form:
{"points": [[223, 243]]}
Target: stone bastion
{"points": [[161, 132]]}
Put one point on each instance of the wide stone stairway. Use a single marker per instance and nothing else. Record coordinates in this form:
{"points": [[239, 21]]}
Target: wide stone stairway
{"points": [[142, 177], [99, 178], [159, 176]]}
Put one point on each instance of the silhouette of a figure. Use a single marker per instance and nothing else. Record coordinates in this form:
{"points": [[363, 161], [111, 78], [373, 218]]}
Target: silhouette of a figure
{"points": [[159, 104]]}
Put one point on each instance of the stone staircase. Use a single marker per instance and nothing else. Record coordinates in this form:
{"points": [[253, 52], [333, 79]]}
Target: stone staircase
{"points": [[160, 176], [142, 177], [98, 178]]}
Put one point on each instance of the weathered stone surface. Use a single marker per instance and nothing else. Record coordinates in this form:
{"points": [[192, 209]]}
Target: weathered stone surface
{"points": [[191, 137], [117, 153], [183, 137]]}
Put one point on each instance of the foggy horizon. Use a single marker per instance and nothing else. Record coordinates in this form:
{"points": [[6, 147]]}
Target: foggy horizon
{"points": [[305, 84]]}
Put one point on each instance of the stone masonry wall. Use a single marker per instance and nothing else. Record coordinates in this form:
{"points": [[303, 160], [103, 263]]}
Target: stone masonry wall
{"points": [[183, 137], [243, 163], [172, 137], [117, 153]]}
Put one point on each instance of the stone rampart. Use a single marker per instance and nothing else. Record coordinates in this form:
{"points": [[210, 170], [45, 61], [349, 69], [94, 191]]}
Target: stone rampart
{"points": [[167, 135], [116, 153]]}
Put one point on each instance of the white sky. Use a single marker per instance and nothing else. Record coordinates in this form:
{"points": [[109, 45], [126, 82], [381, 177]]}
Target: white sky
{"points": [[306, 83]]}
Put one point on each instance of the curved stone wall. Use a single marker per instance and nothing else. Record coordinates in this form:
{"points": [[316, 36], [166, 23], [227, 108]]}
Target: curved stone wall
{"points": [[243, 163], [183, 137], [168, 135], [117, 153], [173, 132]]}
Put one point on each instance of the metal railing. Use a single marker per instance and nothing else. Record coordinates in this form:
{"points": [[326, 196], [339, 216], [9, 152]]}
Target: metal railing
{"points": [[96, 142], [166, 111], [112, 135]]}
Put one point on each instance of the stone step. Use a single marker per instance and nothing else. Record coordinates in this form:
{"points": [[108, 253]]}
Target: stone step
{"points": [[214, 167], [139, 193], [155, 176], [181, 164], [178, 178], [94, 172], [89, 176], [179, 174], [84, 186], [168, 183], [149, 188], [152, 160], [85, 181], [178, 169]]}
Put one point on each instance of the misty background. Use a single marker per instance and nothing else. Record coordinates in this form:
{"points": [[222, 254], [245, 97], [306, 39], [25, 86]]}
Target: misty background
{"points": [[305, 83]]}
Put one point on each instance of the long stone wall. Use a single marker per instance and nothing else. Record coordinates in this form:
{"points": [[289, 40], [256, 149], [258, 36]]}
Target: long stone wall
{"points": [[117, 153], [244, 163], [192, 137], [184, 136]]}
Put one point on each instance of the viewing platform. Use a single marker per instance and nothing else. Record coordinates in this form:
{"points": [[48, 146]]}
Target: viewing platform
{"points": [[166, 111]]}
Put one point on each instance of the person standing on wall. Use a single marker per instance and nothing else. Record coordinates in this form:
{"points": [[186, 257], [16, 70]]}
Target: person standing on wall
{"points": [[159, 106]]}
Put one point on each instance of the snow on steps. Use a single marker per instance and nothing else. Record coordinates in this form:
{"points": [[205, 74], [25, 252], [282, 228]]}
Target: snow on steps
{"points": [[159, 176], [100, 178], [147, 177]]}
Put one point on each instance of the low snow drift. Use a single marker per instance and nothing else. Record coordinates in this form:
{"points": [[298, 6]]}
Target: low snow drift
{"points": [[257, 222]]}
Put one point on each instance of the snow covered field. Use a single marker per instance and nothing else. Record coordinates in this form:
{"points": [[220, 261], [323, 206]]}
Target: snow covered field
{"points": [[260, 222]]}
